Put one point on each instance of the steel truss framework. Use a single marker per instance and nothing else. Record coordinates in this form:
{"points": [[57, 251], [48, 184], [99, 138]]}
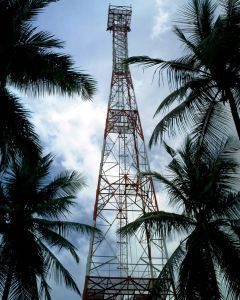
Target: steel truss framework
{"points": [[122, 267]]}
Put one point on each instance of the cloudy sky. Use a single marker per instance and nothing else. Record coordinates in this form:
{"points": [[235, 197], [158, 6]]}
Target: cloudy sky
{"points": [[72, 129]]}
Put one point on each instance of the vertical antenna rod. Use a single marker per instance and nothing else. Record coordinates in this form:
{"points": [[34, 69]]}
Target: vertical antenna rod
{"points": [[121, 267]]}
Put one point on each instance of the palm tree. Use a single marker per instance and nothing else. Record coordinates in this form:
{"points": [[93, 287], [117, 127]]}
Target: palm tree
{"points": [[207, 77], [201, 185], [29, 62], [33, 207], [16, 132]]}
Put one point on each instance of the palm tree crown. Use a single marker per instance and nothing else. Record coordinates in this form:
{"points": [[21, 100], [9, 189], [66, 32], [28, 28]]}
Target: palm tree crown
{"points": [[202, 185], [206, 77], [29, 62], [27, 56], [32, 212]]}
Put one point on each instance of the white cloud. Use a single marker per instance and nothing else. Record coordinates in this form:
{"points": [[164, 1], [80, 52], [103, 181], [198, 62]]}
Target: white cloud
{"points": [[160, 24], [164, 10], [72, 129]]}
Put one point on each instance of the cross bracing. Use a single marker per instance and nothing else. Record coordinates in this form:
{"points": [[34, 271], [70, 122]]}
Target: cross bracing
{"points": [[122, 267]]}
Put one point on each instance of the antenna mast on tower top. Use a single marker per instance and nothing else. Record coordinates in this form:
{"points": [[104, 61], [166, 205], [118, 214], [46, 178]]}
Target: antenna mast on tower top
{"points": [[121, 267]]}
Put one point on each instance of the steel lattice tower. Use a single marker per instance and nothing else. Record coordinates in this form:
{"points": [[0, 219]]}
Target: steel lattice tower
{"points": [[123, 267]]}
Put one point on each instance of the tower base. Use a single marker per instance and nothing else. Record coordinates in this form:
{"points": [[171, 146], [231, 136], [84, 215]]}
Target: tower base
{"points": [[119, 288]]}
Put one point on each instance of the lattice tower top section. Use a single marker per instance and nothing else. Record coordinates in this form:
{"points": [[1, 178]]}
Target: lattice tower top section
{"points": [[119, 17]]}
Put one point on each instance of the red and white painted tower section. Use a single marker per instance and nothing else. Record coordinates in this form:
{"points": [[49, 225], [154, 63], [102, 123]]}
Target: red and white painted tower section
{"points": [[120, 267]]}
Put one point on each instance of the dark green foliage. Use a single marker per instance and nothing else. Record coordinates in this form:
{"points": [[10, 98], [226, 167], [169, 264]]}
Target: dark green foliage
{"points": [[204, 186], [16, 132], [32, 211], [29, 61], [27, 56], [206, 78]]}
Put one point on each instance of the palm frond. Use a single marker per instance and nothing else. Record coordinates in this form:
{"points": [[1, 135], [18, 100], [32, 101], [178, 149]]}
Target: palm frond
{"points": [[179, 72], [231, 10], [169, 150], [197, 19], [180, 117], [161, 223], [212, 123], [197, 276], [16, 132], [181, 93], [198, 109], [60, 273], [64, 228], [176, 195], [226, 250], [144, 60], [225, 166], [28, 10], [193, 50], [33, 198], [165, 278], [44, 289], [30, 37], [235, 227], [229, 207], [52, 74], [175, 65], [176, 95], [66, 184], [54, 239], [23, 288], [42, 167], [54, 208]]}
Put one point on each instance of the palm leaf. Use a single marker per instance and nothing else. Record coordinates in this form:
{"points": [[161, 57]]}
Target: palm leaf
{"points": [[66, 184], [54, 239], [54, 208], [197, 276], [229, 207], [28, 10], [169, 150], [180, 93], [16, 132], [180, 117], [177, 195], [30, 37], [44, 289], [64, 228], [161, 223], [179, 71], [52, 74], [226, 250], [235, 226], [60, 274], [164, 280], [231, 9], [212, 123], [197, 19], [193, 49]]}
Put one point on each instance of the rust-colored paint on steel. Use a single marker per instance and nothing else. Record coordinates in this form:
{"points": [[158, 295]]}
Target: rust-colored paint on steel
{"points": [[121, 267]]}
